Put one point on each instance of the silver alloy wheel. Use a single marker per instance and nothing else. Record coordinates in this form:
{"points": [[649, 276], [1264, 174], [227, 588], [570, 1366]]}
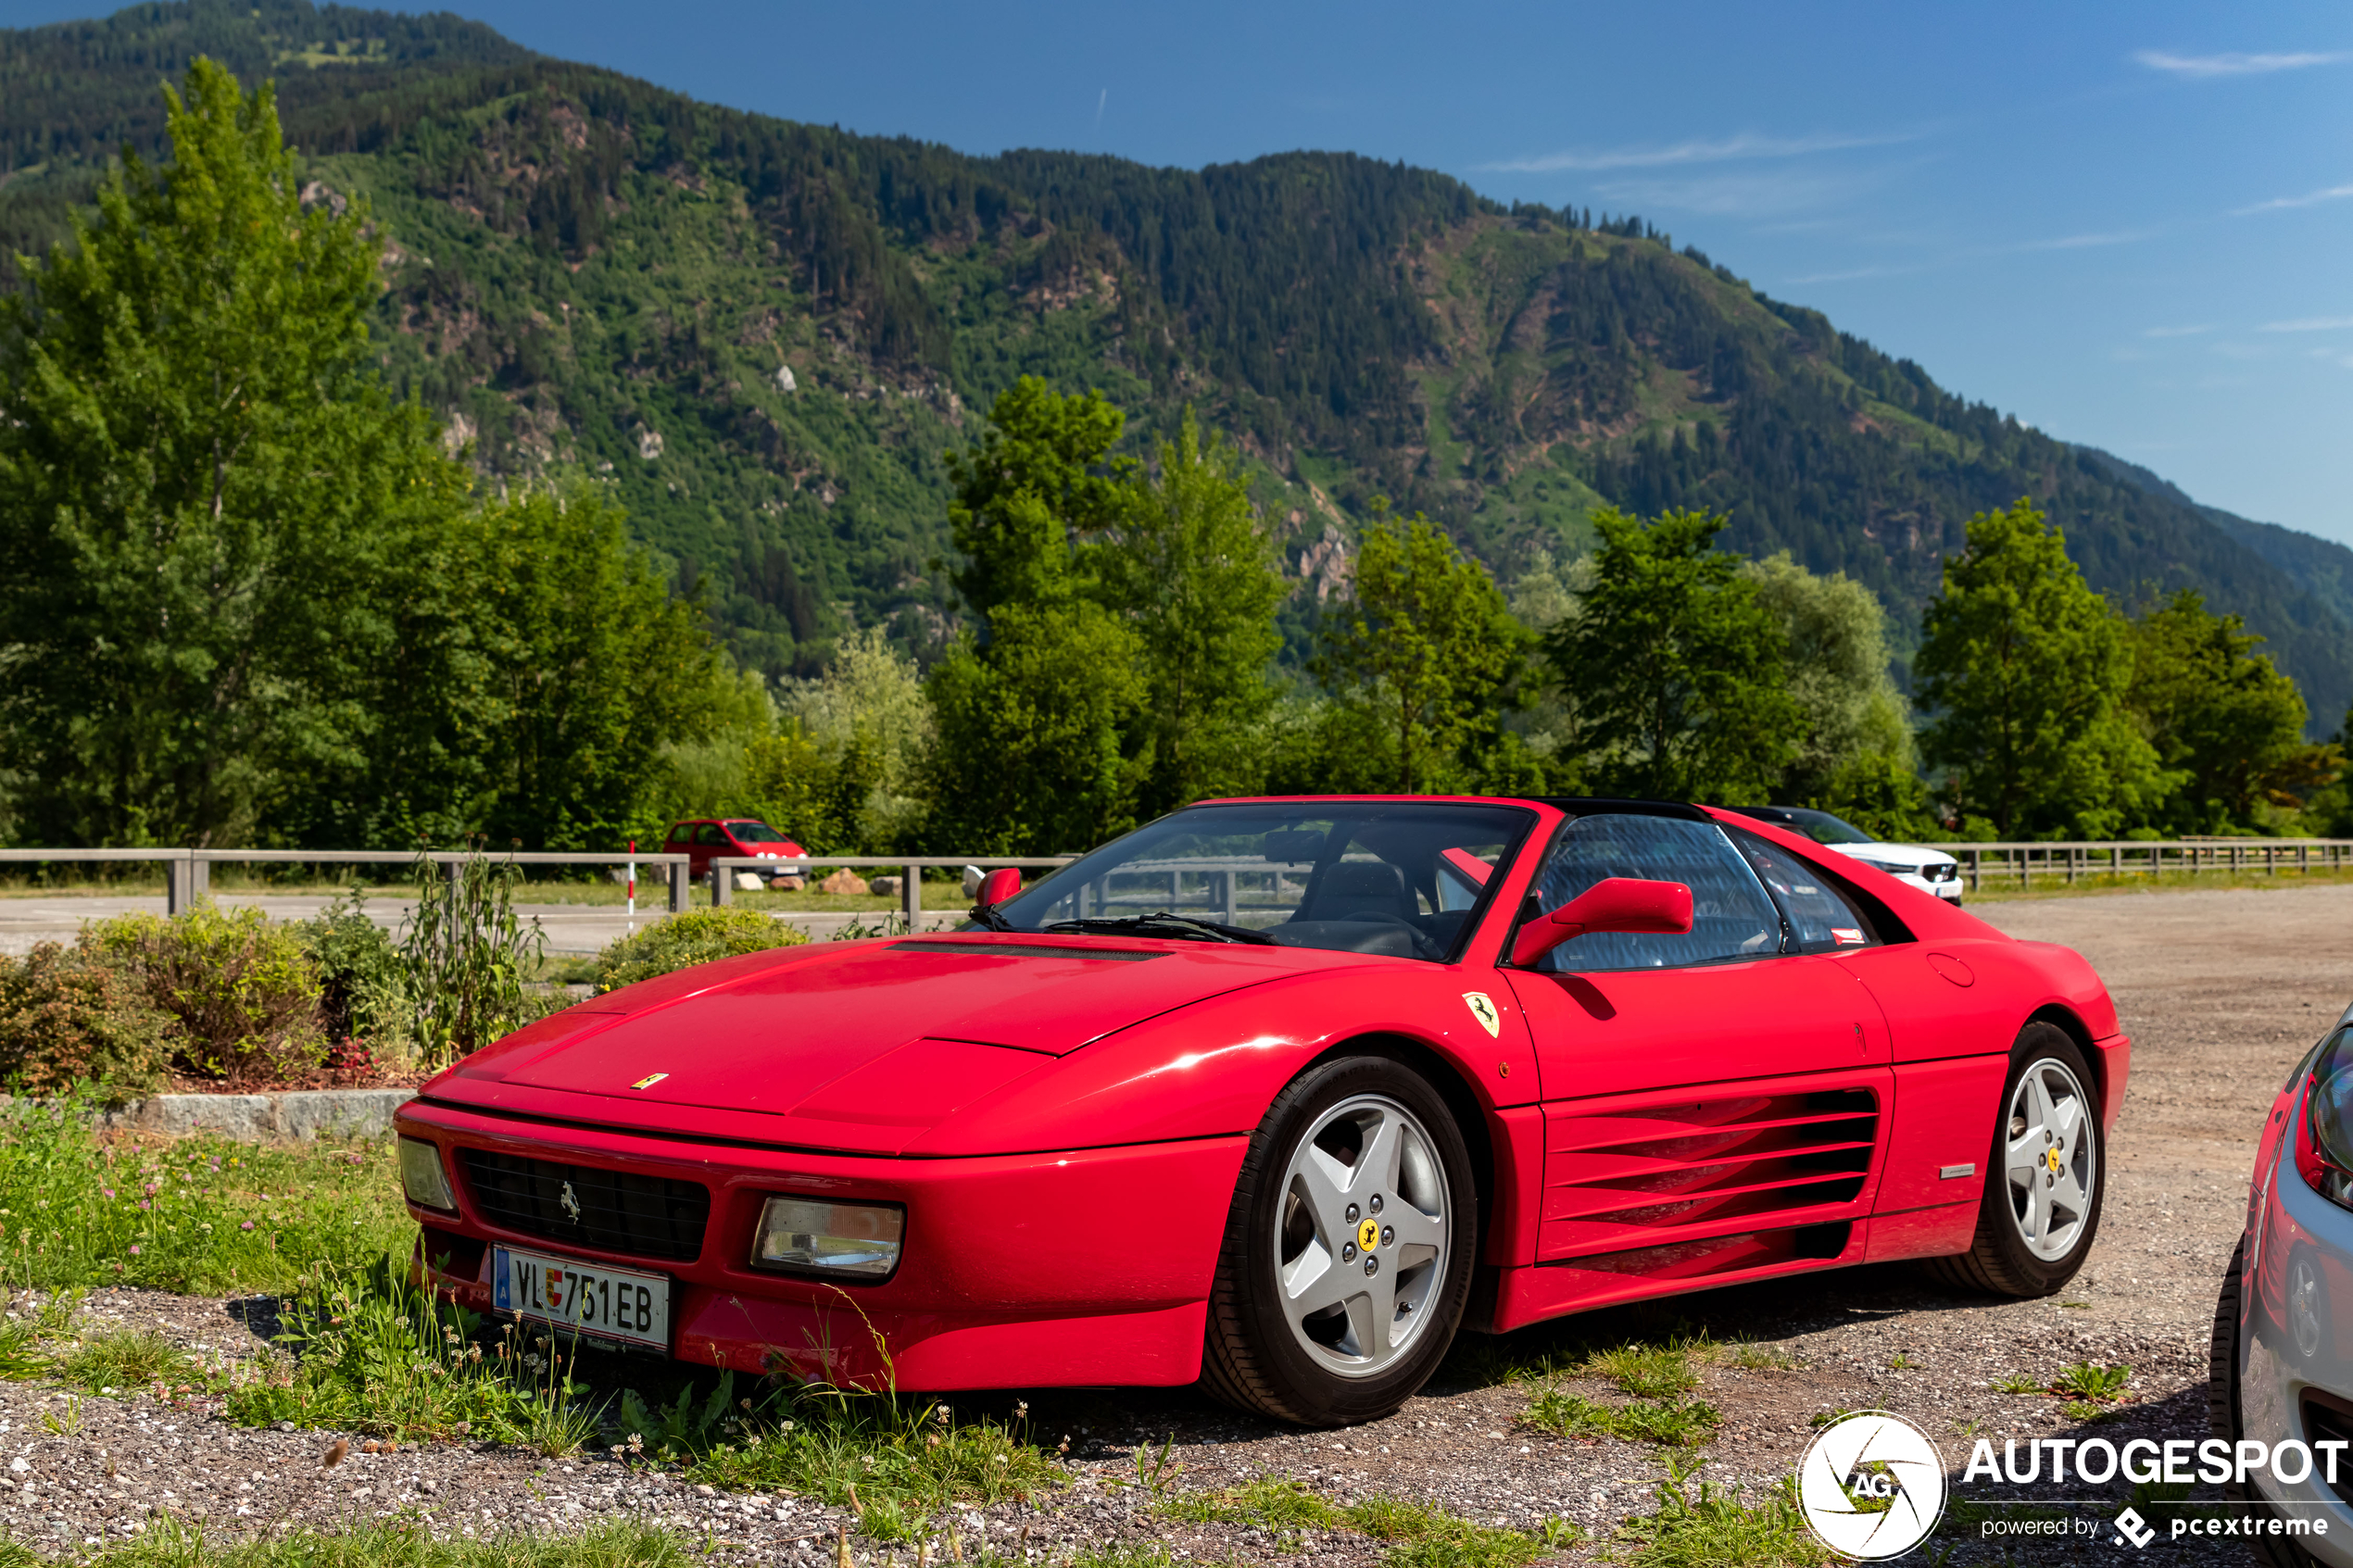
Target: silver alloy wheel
{"points": [[2051, 1159], [1366, 1172]]}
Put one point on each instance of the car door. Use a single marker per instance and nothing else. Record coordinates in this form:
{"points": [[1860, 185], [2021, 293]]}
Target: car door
{"points": [[1714, 1102]]}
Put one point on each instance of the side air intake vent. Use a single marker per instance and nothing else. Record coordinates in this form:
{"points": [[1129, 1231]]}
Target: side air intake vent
{"points": [[1663, 1176]]}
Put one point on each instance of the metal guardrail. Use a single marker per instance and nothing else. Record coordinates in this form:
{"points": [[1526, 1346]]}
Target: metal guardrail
{"points": [[2024, 860], [188, 873], [910, 895]]}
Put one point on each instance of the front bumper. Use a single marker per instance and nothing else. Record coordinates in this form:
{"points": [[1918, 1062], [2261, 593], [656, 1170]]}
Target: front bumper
{"points": [[1071, 1267], [2295, 1349]]}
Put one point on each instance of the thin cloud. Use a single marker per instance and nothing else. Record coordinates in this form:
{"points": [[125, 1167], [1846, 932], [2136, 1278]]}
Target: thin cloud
{"points": [[2085, 242], [2175, 331], [1722, 149], [1853, 275], [2309, 324], [2313, 198], [2201, 66]]}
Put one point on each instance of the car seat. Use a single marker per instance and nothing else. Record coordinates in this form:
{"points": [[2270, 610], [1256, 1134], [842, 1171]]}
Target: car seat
{"points": [[1361, 890]]}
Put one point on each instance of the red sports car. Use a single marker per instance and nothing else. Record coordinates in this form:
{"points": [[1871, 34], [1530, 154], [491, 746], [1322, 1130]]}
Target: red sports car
{"points": [[1277, 1095]]}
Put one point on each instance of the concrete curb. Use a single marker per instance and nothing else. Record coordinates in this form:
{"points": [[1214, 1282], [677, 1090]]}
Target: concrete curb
{"points": [[296, 1113]]}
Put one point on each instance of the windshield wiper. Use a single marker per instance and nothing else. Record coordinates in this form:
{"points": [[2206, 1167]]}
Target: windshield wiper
{"points": [[1187, 925], [991, 917]]}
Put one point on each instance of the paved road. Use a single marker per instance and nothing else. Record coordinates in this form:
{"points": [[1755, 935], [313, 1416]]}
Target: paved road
{"points": [[571, 928]]}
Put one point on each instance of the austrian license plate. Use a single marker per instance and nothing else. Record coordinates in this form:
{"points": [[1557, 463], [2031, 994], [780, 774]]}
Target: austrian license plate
{"points": [[603, 1303]]}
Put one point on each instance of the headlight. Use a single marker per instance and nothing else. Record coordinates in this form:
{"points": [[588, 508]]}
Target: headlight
{"points": [[850, 1240], [423, 1177], [2324, 1142]]}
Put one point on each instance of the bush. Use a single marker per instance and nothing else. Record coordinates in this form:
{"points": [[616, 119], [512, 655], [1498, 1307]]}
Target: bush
{"points": [[67, 1017], [363, 991], [243, 994], [686, 940]]}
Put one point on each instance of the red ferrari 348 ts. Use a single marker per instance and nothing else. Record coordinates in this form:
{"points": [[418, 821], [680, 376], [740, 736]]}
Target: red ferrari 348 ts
{"points": [[1277, 1095]]}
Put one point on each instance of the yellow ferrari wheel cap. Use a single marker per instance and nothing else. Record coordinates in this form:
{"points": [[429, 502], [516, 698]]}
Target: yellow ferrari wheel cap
{"points": [[1368, 1235]]}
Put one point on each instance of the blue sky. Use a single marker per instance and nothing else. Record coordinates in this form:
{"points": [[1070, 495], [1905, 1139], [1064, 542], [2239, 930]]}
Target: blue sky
{"points": [[2128, 225]]}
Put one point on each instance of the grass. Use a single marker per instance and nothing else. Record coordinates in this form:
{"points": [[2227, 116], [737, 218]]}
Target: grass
{"points": [[120, 1359], [1657, 1376], [2055, 884], [1414, 1535], [81, 1206], [1710, 1527], [895, 1461], [614, 1544]]}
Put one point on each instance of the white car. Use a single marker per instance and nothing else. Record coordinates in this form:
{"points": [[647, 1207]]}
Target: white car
{"points": [[1931, 871]]}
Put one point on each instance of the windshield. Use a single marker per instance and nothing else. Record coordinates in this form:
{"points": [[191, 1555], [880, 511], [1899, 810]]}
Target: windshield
{"points": [[1823, 828], [756, 832], [1397, 878]]}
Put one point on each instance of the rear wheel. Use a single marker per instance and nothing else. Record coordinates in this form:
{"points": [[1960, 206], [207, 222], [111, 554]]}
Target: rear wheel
{"points": [[2225, 1409], [2045, 1174], [1348, 1250]]}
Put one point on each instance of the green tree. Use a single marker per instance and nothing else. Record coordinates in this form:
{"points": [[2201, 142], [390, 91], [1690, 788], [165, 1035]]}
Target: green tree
{"points": [[2025, 669], [1424, 660], [1035, 750], [538, 672], [1856, 755], [202, 492], [1039, 476], [1674, 668], [1190, 571], [2222, 720], [1030, 759]]}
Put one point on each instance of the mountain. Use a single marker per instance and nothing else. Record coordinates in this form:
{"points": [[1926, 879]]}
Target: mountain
{"points": [[761, 336]]}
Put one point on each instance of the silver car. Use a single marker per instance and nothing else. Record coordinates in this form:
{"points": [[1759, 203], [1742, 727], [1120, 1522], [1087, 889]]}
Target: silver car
{"points": [[1931, 871], [2283, 1367]]}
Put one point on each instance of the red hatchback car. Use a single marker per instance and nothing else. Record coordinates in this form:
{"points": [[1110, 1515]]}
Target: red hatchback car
{"points": [[701, 839], [1278, 1094]]}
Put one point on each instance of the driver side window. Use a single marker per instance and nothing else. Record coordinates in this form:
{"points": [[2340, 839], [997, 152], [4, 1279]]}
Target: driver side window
{"points": [[1732, 916]]}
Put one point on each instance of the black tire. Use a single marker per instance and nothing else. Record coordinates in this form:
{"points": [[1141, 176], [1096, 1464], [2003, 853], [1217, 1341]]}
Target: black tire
{"points": [[2223, 1404], [1999, 1260], [1252, 1358]]}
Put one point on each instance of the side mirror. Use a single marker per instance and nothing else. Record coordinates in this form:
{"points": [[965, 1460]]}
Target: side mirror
{"points": [[1618, 903], [999, 885]]}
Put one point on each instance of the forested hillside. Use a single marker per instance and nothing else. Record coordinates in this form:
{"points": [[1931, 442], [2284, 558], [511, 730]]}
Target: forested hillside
{"points": [[763, 337]]}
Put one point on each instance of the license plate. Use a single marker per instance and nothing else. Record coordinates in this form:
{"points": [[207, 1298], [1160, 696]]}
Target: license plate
{"points": [[604, 1303]]}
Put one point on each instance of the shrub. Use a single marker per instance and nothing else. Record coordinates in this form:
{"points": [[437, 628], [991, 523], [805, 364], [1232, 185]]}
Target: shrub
{"points": [[466, 954], [686, 940], [363, 991], [243, 994], [67, 1017]]}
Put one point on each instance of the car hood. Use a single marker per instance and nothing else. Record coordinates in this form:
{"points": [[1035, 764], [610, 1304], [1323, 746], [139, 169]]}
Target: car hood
{"points": [[1905, 854], [858, 1045]]}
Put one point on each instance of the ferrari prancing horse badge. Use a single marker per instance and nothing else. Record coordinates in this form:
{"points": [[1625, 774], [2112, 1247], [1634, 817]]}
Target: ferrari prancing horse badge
{"points": [[1484, 1010]]}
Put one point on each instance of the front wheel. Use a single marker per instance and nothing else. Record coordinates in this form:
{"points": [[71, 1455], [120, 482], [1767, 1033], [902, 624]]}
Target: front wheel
{"points": [[1348, 1250], [2045, 1175], [2226, 1407]]}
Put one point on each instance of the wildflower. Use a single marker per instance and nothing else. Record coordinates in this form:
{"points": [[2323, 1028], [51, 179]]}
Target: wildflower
{"points": [[247, 1227], [134, 1250], [109, 1192], [1021, 1410]]}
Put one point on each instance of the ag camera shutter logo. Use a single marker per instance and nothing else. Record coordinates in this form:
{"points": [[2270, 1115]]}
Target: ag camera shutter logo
{"points": [[1872, 1486]]}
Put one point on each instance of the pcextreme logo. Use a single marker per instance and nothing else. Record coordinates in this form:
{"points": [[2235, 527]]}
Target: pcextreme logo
{"points": [[1872, 1486]]}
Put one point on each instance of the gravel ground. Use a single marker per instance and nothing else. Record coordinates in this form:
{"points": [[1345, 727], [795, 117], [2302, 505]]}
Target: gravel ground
{"points": [[2220, 989]]}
